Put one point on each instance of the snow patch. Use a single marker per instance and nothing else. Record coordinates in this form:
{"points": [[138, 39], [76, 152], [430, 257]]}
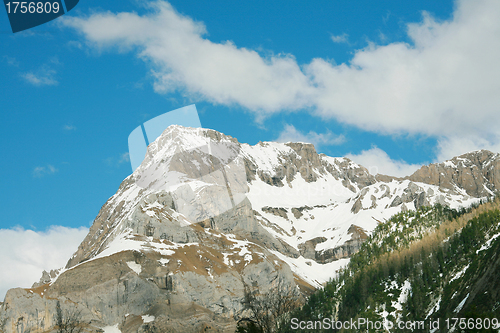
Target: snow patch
{"points": [[487, 245], [150, 213], [312, 272], [449, 164], [461, 305], [148, 319], [435, 308], [135, 267], [112, 329], [459, 274], [164, 261], [403, 296]]}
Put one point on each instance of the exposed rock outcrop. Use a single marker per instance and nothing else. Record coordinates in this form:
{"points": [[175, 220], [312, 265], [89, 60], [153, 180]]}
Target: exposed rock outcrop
{"points": [[278, 211], [478, 173], [358, 236]]}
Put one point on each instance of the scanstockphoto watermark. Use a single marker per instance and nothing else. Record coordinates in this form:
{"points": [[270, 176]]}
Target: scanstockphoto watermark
{"points": [[361, 324], [332, 324]]}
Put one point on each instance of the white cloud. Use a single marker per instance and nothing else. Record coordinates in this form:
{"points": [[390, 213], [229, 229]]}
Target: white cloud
{"points": [[382, 36], [450, 147], [69, 128], [75, 44], [11, 61], [378, 162], [43, 77], [340, 38], [291, 134], [114, 161], [124, 158], [24, 254], [41, 171], [445, 84], [386, 17], [183, 60]]}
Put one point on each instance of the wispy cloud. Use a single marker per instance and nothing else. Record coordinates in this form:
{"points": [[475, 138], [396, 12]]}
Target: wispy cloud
{"points": [[116, 161], [42, 77], [383, 38], [75, 44], [55, 61], [11, 61], [69, 128], [291, 134], [24, 254], [124, 158], [344, 38], [139, 85], [386, 17], [444, 83], [41, 171]]}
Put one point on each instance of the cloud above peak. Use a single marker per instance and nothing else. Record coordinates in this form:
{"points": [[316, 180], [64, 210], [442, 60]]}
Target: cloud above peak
{"points": [[444, 84], [378, 161], [291, 134], [183, 60]]}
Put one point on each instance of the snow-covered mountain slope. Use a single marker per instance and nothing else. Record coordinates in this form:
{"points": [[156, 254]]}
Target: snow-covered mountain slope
{"points": [[205, 216], [309, 205], [426, 264]]}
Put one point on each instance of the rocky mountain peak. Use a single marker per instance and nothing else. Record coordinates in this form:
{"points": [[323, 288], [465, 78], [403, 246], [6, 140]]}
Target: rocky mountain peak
{"points": [[478, 157], [477, 173]]}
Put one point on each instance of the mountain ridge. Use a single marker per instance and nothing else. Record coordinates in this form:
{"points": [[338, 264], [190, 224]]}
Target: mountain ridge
{"points": [[204, 211]]}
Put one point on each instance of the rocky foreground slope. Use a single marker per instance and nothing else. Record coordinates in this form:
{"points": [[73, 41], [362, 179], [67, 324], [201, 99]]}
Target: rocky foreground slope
{"points": [[205, 217]]}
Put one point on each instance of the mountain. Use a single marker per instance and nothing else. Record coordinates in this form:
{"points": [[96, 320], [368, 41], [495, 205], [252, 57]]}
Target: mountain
{"points": [[436, 269], [205, 219], [478, 173]]}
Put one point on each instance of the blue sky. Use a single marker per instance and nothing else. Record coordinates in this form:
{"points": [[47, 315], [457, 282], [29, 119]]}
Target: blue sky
{"points": [[391, 84]]}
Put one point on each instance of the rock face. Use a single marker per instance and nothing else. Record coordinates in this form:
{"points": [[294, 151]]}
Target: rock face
{"points": [[478, 173], [205, 217]]}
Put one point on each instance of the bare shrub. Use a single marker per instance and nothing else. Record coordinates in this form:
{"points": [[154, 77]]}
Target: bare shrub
{"points": [[269, 310]]}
